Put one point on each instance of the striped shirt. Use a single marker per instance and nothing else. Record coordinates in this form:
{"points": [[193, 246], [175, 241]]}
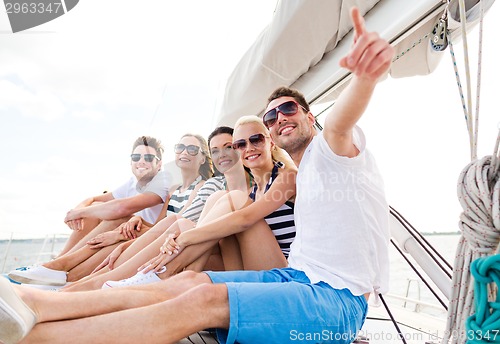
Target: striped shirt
{"points": [[178, 200], [212, 185], [281, 220]]}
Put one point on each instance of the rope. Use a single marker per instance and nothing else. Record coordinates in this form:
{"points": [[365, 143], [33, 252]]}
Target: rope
{"points": [[479, 195], [427, 284], [471, 119], [479, 223], [400, 334], [423, 242], [420, 40], [463, 20], [484, 325]]}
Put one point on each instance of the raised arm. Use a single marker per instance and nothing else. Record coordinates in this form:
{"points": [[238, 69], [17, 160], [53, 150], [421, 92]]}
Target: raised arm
{"points": [[369, 58]]}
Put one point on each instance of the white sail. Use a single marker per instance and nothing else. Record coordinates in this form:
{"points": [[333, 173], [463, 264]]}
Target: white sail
{"points": [[303, 44]]}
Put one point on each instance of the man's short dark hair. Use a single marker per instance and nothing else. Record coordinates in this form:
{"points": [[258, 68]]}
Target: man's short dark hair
{"points": [[149, 141], [288, 92]]}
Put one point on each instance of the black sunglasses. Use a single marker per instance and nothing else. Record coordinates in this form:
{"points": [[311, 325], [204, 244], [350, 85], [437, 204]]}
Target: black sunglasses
{"points": [[256, 140], [288, 108], [147, 157], [191, 149]]}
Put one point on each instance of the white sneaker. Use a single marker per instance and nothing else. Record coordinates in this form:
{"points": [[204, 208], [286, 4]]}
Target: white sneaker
{"points": [[138, 279], [39, 274], [16, 318]]}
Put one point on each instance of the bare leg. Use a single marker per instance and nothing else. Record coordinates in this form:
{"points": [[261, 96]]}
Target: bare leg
{"points": [[231, 254], [257, 248], [104, 226], [147, 239], [203, 305], [129, 267], [86, 267], [215, 262], [88, 225], [195, 303], [72, 259]]}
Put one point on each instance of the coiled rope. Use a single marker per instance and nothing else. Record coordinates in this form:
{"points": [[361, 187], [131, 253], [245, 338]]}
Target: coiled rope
{"points": [[484, 325], [479, 195], [479, 223]]}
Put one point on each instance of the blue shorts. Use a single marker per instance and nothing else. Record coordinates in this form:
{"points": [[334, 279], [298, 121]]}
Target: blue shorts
{"points": [[282, 306]]}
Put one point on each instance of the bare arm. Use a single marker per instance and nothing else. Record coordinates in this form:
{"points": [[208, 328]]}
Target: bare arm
{"points": [[116, 208], [77, 224], [370, 58], [282, 189], [105, 197]]}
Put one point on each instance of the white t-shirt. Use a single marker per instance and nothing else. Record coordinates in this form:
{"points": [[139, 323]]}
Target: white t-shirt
{"points": [[342, 219], [158, 185]]}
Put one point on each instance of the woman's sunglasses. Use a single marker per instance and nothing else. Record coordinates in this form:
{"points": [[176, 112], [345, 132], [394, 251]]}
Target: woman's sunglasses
{"points": [[190, 149], [288, 108], [147, 157], [256, 140]]}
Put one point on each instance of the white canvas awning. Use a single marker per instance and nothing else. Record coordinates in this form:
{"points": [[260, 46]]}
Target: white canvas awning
{"points": [[303, 44]]}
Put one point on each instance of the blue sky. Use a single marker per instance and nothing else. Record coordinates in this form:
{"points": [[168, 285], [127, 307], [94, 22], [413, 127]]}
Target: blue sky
{"points": [[77, 91]]}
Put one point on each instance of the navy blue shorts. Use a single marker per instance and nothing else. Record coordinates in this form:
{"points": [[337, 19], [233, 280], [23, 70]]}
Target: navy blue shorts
{"points": [[282, 306]]}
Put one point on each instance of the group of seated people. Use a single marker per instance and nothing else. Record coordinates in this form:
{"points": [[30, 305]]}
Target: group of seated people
{"points": [[299, 261], [196, 212]]}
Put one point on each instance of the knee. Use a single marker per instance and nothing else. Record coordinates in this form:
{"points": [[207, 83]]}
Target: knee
{"points": [[211, 294], [192, 277], [239, 198]]}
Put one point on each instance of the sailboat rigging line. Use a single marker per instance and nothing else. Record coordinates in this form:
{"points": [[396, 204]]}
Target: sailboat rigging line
{"points": [[419, 238], [478, 193], [495, 159], [420, 275], [463, 20], [413, 46], [460, 90], [158, 106], [393, 320], [478, 84], [472, 127], [405, 325]]}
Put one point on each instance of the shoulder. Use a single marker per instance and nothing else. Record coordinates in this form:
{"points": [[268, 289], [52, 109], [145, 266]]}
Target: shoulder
{"points": [[287, 172], [320, 143], [173, 188]]}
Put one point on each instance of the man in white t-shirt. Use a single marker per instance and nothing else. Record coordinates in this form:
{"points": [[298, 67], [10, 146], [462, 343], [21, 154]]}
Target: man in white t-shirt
{"points": [[143, 194], [338, 258]]}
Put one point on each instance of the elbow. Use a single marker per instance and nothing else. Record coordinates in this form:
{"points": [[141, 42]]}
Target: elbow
{"points": [[122, 210], [246, 223]]}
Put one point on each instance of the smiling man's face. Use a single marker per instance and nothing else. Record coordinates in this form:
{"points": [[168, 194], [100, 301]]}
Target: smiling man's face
{"points": [[291, 132]]}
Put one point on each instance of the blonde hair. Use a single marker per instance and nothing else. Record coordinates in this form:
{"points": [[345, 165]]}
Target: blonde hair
{"points": [[206, 169], [278, 154]]}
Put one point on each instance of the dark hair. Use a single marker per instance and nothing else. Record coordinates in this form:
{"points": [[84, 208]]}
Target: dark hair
{"points": [[149, 141], [206, 170], [288, 92], [218, 131]]}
